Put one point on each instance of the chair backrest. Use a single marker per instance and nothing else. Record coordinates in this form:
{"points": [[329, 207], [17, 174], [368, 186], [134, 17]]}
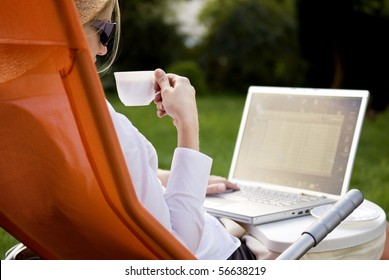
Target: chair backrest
{"points": [[65, 191]]}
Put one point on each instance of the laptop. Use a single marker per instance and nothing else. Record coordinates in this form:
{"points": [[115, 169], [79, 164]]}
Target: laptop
{"points": [[296, 145]]}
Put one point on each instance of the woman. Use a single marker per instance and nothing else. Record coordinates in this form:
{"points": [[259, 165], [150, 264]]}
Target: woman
{"points": [[176, 197]]}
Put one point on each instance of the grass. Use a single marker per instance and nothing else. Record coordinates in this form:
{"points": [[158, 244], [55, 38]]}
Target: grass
{"points": [[219, 122]]}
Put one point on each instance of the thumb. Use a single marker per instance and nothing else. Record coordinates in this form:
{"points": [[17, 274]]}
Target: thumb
{"points": [[162, 79]]}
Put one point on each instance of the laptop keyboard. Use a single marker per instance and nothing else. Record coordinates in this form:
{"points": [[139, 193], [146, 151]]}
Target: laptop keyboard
{"points": [[272, 197]]}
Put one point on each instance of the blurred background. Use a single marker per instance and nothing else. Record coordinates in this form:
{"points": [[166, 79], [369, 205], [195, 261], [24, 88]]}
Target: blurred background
{"points": [[224, 46], [227, 45]]}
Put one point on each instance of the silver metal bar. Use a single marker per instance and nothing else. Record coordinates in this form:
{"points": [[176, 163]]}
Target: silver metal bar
{"points": [[316, 232]]}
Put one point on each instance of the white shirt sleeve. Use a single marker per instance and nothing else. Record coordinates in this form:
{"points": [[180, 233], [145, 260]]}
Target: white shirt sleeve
{"points": [[184, 196], [180, 207]]}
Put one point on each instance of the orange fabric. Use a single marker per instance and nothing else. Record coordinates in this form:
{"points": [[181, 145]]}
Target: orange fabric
{"points": [[65, 191]]}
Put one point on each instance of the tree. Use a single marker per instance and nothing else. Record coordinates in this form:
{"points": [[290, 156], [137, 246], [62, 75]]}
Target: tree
{"points": [[345, 44], [250, 42], [148, 41]]}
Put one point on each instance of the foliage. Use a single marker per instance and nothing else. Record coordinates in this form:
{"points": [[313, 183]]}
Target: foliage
{"points": [[250, 42], [345, 44], [148, 41], [372, 7], [191, 70]]}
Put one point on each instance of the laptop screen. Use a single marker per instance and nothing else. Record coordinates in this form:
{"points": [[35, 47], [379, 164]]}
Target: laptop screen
{"points": [[299, 139]]}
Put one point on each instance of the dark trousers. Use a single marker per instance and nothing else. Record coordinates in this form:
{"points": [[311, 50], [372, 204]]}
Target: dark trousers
{"points": [[242, 253]]}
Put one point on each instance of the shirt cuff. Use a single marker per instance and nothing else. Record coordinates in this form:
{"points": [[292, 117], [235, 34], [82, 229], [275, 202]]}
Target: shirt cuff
{"points": [[189, 172]]}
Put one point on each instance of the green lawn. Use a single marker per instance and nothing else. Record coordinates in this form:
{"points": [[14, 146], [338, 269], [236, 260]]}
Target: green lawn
{"points": [[219, 122]]}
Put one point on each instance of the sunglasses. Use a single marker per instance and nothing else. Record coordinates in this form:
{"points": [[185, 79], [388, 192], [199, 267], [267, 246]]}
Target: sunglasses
{"points": [[106, 30]]}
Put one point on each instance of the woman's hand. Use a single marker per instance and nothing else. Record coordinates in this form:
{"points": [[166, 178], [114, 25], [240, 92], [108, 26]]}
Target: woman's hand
{"points": [[217, 184], [176, 97]]}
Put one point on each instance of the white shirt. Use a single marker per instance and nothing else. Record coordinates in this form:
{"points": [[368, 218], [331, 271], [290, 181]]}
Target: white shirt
{"points": [[179, 207]]}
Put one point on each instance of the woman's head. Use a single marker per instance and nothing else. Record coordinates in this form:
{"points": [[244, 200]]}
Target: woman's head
{"points": [[96, 17]]}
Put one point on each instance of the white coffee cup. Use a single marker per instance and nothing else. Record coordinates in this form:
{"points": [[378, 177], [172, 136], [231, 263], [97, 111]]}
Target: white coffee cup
{"points": [[135, 88]]}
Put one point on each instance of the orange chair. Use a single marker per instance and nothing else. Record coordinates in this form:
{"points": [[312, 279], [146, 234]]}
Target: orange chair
{"points": [[65, 191]]}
